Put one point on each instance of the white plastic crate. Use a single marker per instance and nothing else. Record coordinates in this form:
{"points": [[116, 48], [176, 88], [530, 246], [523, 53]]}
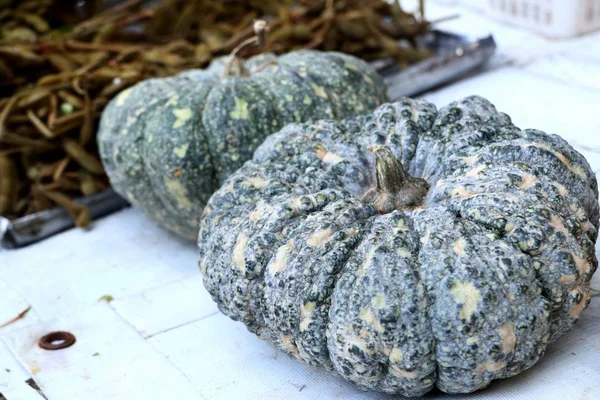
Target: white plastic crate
{"points": [[479, 5], [552, 18], [475, 4]]}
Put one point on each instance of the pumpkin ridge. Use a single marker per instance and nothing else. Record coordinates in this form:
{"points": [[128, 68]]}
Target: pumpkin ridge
{"points": [[575, 184], [211, 150], [222, 63], [417, 272], [317, 354], [575, 246], [330, 72], [471, 368], [239, 300], [536, 171], [233, 129], [429, 379], [538, 349], [139, 166], [507, 180], [320, 86], [252, 286], [116, 131], [300, 213], [555, 141], [332, 249], [295, 220], [451, 122], [150, 182], [310, 104], [400, 126], [285, 311], [371, 333], [459, 157], [167, 158], [358, 70]]}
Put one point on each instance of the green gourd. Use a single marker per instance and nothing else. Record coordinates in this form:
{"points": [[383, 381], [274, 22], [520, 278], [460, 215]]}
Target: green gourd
{"points": [[168, 143], [407, 249]]}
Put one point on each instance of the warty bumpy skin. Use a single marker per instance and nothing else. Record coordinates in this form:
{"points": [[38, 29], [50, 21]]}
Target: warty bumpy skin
{"points": [[168, 143], [469, 287]]}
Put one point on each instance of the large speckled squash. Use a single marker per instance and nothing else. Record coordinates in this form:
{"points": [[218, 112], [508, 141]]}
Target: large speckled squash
{"points": [[167, 144], [409, 248]]}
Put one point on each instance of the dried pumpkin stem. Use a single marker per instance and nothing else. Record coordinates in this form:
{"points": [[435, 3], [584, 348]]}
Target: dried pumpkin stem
{"points": [[261, 28], [394, 187]]}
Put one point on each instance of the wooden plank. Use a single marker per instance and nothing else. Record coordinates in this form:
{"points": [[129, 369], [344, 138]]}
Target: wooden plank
{"points": [[109, 360], [12, 304], [166, 307], [225, 361], [121, 255], [13, 378]]}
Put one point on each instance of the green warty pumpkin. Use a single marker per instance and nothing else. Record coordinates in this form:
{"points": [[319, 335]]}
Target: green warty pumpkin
{"points": [[407, 249], [168, 143]]}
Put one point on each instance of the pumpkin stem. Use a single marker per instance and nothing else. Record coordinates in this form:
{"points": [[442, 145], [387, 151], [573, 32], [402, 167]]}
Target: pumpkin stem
{"points": [[261, 28], [394, 187]]}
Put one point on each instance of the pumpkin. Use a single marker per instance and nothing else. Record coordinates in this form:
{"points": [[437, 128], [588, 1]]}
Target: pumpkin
{"points": [[407, 249], [168, 143]]}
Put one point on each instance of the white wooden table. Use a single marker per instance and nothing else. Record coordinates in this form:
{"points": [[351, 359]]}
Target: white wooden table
{"points": [[163, 338]]}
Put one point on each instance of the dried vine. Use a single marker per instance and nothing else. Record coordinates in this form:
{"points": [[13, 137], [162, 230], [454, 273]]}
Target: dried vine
{"points": [[62, 61]]}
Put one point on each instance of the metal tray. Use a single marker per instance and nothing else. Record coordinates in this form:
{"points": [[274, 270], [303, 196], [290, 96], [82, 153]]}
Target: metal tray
{"points": [[35, 227], [454, 57]]}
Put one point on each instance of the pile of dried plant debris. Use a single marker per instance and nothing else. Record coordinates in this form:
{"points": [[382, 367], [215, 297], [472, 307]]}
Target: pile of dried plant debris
{"points": [[62, 61]]}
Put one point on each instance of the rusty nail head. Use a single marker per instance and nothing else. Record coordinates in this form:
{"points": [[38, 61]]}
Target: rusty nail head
{"points": [[56, 340]]}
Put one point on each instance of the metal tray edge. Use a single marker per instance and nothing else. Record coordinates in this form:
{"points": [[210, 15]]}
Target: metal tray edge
{"points": [[41, 225]]}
